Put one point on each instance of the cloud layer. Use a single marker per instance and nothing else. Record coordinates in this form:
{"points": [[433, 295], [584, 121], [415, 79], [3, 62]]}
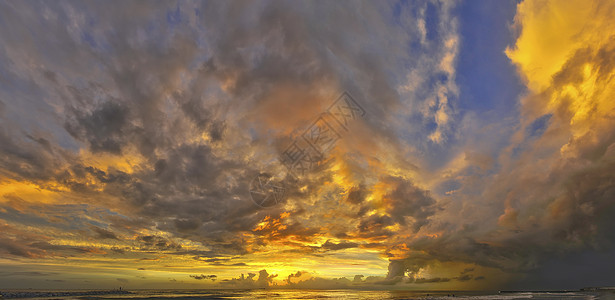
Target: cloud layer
{"points": [[132, 133]]}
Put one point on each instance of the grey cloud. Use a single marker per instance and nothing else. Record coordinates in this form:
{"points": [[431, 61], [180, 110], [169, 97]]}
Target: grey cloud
{"points": [[118, 250], [465, 277], [201, 277], [241, 281], [29, 273], [329, 245], [407, 200], [157, 243], [13, 247], [264, 279], [431, 280], [374, 226], [103, 128], [59, 249], [25, 159], [297, 275], [186, 224], [38, 249], [396, 270], [203, 108], [104, 233], [356, 195]]}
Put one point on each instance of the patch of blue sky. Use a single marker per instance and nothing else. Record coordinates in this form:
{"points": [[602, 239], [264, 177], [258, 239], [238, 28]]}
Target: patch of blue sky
{"points": [[10, 214], [87, 38], [486, 78], [79, 215], [489, 87], [538, 126], [532, 132], [432, 21], [174, 16]]}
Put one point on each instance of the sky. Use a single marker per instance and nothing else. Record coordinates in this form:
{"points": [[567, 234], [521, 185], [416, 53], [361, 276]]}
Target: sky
{"points": [[420, 145]]}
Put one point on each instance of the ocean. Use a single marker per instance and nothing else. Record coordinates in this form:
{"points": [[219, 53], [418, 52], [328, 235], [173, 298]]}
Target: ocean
{"points": [[295, 294]]}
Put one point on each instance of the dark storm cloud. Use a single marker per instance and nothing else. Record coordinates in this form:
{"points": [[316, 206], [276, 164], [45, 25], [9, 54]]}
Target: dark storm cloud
{"points": [[356, 195], [396, 269], [408, 200], [102, 128], [374, 226]]}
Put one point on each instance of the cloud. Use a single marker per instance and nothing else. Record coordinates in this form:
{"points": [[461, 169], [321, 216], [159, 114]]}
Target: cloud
{"points": [[358, 278], [264, 279], [548, 194], [407, 200], [34, 246], [158, 243], [30, 273], [102, 128], [144, 121], [465, 277], [329, 245], [104, 233], [201, 277], [151, 120], [431, 280], [323, 283]]}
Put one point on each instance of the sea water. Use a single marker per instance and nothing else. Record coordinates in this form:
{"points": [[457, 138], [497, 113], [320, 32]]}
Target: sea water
{"points": [[313, 294]]}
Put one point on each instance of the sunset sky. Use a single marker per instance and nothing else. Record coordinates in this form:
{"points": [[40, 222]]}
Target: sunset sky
{"points": [[482, 156]]}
